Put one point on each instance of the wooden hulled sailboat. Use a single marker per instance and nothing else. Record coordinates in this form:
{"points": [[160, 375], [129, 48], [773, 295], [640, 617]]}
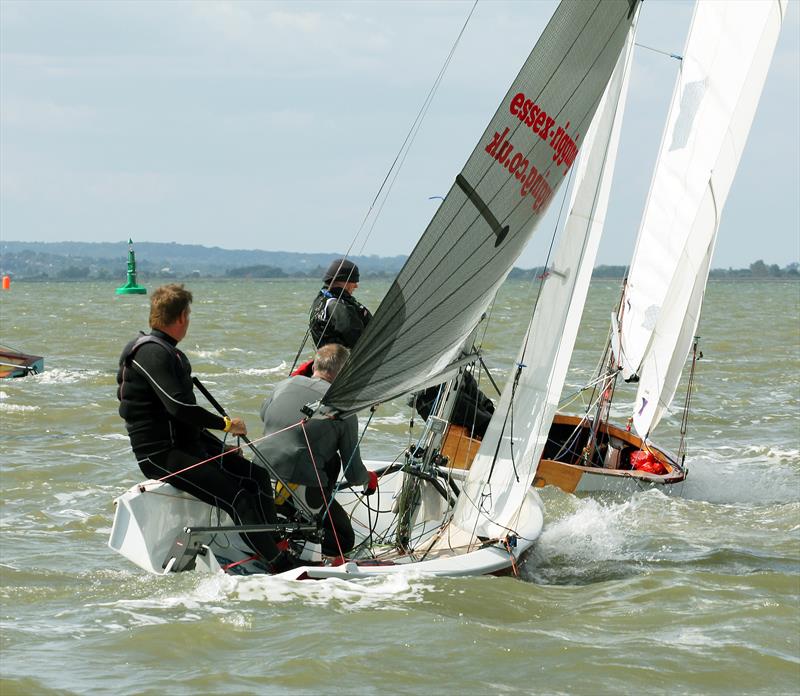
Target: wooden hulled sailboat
{"points": [[723, 69], [421, 334]]}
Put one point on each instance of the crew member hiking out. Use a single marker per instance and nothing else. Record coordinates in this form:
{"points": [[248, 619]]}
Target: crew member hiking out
{"points": [[168, 430], [309, 457]]}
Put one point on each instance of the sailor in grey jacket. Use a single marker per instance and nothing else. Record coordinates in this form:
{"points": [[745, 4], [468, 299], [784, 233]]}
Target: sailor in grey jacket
{"points": [[309, 457]]}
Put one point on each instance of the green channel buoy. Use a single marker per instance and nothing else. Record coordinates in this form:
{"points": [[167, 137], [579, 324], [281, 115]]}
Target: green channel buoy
{"points": [[131, 287]]}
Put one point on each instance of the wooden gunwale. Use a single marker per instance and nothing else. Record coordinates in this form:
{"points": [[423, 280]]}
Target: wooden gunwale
{"points": [[675, 473]]}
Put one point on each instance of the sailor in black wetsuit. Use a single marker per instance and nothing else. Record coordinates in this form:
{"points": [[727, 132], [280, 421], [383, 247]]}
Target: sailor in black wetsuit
{"points": [[168, 429], [336, 316]]}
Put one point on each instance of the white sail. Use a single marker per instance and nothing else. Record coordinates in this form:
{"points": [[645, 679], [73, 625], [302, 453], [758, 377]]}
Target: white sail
{"points": [[490, 212], [506, 463], [725, 64]]}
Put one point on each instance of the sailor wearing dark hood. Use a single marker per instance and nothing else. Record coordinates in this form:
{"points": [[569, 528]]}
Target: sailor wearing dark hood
{"points": [[336, 316]]}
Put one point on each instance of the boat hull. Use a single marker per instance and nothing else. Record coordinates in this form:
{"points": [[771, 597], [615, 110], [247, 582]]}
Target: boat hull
{"points": [[151, 515], [610, 468], [16, 364]]}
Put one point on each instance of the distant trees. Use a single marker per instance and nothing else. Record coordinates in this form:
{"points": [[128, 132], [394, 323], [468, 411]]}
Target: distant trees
{"points": [[609, 272], [759, 270], [77, 261], [73, 273]]}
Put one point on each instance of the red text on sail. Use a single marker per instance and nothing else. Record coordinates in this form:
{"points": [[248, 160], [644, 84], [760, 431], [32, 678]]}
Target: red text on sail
{"points": [[534, 182]]}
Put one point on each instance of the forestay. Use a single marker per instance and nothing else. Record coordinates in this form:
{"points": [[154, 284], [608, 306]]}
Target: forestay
{"points": [[490, 211], [724, 66], [506, 463]]}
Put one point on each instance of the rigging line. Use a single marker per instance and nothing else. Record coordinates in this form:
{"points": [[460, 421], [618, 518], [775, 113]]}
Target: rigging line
{"points": [[489, 375], [603, 375], [426, 428], [687, 402], [477, 396], [589, 385], [349, 461], [300, 349], [489, 313], [480, 509], [321, 489], [658, 50], [411, 135], [405, 148], [567, 446]]}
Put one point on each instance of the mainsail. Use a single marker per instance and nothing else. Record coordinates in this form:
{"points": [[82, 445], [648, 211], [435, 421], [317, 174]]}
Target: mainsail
{"points": [[490, 211], [506, 463], [724, 67]]}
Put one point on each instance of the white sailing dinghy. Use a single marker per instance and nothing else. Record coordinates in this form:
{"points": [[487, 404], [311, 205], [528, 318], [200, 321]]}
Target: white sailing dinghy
{"points": [[424, 520], [724, 66]]}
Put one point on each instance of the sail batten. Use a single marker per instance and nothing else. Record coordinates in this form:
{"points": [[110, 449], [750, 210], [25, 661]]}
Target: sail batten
{"points": [[479, 230]]}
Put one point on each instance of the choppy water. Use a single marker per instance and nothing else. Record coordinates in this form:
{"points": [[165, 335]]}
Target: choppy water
{"points": [[654, 594]]}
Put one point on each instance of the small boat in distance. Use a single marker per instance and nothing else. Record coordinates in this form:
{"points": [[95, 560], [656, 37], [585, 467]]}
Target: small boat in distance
{"points": [[14, 363]]}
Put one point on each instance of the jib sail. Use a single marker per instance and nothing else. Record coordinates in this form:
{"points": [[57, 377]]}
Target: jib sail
{"points": [[506, 463]]}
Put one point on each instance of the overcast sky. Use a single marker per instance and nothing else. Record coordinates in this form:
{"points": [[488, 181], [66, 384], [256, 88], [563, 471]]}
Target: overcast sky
{"points": [[271, 125]]}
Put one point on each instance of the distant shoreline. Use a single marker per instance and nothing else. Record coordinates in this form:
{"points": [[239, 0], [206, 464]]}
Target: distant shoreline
{"points": [[155, 281], [161, 261]]}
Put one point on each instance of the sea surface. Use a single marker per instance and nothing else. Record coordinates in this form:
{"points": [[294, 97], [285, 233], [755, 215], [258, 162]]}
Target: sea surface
{"points": [[696, 592]]}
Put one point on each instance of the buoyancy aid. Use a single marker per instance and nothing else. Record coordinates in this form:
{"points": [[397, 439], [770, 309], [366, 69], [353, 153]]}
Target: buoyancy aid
{"points": [[150, 425], [337, 317]]}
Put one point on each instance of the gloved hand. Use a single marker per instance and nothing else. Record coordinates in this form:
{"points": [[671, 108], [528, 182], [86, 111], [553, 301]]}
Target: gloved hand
{"points": [[372, 484]]}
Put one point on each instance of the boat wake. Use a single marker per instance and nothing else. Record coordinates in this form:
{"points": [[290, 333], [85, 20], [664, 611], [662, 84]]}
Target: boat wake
{"points": [[589, 540], [258, 371], [216, 353], [16, 408], [336, 594], [222, 593], [64, 376], [751, 475]]}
